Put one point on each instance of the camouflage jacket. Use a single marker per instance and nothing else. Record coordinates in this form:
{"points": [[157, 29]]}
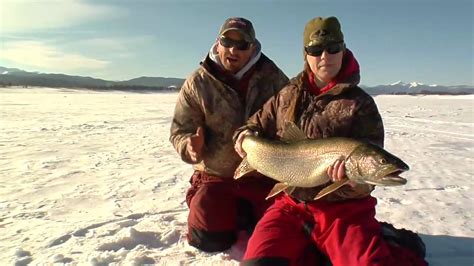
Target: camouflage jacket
{"points": [[208, 100], [343, 111]]}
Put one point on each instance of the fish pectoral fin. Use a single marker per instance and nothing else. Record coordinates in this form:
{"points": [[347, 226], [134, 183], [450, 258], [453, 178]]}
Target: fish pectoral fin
{"points": [[331, 188], [289, 190], [243, 169], [277, 188]]}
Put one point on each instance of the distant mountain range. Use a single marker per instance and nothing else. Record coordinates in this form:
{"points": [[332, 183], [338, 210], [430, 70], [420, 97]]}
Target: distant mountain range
{"points": [[418, 88], [18, 77]]}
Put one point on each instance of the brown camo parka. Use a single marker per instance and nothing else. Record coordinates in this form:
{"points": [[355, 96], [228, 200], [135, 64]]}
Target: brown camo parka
{"points": [[206, 100]]}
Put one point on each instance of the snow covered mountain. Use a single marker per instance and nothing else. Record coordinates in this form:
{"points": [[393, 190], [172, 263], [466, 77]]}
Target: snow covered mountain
{"points": [[400, 87]]}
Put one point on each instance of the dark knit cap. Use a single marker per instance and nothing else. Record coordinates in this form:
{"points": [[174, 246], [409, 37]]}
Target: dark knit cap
{"points": [[242, 25], [322, 31]]}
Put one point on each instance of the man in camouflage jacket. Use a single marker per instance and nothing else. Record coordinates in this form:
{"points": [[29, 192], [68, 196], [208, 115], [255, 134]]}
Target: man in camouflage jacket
{"points": [[233, 82]]}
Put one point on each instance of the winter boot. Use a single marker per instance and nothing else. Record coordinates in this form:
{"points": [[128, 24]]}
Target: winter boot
{"points": [[404, 238]]}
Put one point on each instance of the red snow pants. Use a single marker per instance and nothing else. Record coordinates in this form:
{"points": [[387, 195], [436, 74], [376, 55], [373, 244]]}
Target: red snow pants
{"points": [[346, 232], [219, 207]]}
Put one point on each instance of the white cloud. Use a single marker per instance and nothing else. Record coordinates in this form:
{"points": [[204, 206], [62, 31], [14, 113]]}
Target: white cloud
{"points": [[110, 44], [117, 47], [48, 58], [27, 15], [116, 43]]}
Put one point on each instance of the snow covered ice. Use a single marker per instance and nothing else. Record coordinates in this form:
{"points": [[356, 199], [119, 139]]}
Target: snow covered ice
{"points": [[91, 178]]}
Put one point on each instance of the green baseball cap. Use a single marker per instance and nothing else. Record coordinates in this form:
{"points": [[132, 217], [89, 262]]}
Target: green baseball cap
{"points": [[242, 25], [322, 31]]}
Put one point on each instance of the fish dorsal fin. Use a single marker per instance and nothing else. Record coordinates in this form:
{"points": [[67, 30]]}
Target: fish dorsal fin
{"points": [[331, 188], [277, 188], [243, 169], [292, 133]]}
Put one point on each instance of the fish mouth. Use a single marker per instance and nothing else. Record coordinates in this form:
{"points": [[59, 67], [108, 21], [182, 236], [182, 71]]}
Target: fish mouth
{"points": [[394, 179], [390, 179]]}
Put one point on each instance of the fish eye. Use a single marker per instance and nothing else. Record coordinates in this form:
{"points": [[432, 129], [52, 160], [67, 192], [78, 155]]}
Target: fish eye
{"points": [[383, 161]]}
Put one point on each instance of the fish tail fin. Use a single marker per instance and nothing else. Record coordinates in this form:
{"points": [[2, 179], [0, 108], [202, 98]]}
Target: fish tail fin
{"points": [[243, 169], [331, 188]]}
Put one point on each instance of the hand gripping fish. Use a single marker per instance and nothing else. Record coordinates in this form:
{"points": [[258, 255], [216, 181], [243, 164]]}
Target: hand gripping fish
{"points": [[296, 161]]}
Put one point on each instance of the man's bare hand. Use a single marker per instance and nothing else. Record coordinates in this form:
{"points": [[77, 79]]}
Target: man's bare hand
{"points": [[240, 139], [195, 145]]}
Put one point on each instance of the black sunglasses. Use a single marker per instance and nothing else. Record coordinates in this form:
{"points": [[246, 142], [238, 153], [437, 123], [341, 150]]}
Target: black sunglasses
{"points": [[317, 50], [239, 45]]}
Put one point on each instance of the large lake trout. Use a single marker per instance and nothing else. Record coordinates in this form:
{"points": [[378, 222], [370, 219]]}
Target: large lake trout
{"points": [[300, 162]]}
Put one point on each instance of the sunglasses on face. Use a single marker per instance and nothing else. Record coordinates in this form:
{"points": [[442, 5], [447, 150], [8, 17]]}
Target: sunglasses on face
{"points": [[239, 45], [317, 50]]}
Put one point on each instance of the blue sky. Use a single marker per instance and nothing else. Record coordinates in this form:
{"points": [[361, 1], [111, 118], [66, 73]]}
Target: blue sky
{"points": [[427, 41]]}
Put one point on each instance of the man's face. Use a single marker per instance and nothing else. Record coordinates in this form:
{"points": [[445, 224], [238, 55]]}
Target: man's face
{"points": [[232, 58]]}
